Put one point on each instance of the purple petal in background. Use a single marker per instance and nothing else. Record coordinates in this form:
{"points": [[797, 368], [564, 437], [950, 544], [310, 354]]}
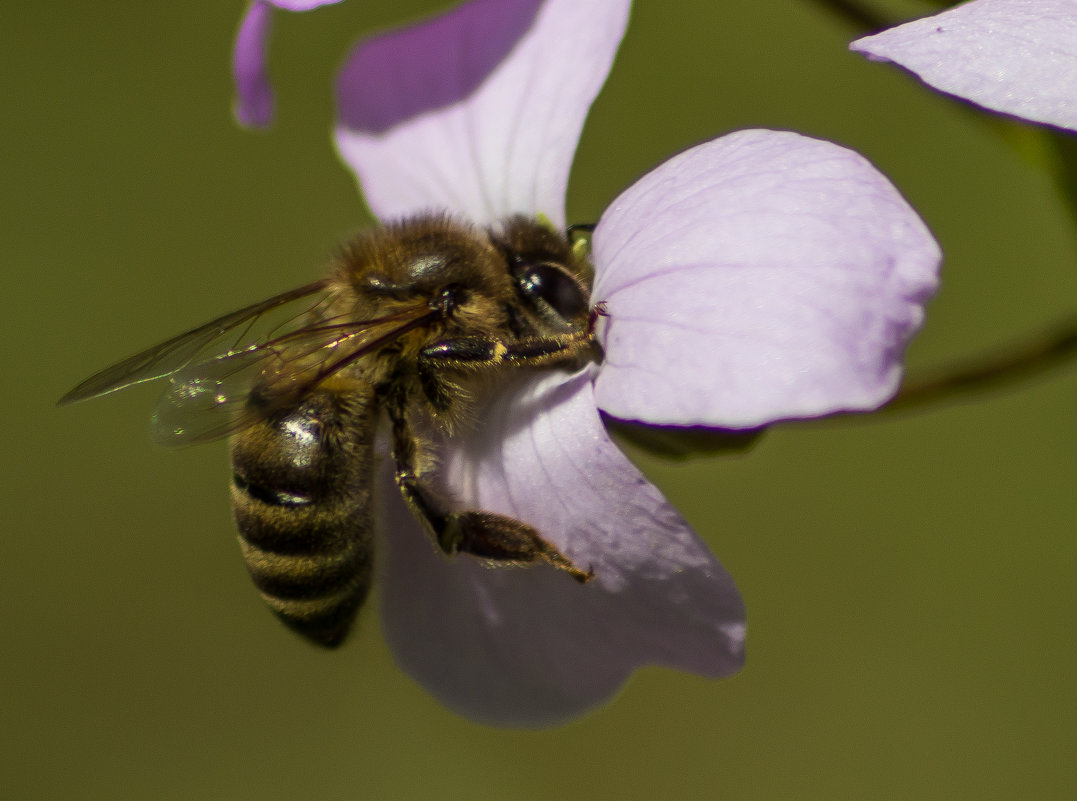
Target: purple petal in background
{"points": [[1014, 56], [529, 646], [477, 111], [758, 277], [254, 94], [300, 5]]}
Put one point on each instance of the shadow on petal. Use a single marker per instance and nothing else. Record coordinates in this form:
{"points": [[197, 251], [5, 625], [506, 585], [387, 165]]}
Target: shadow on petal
{"points": [[683, 442], [403, 74]]}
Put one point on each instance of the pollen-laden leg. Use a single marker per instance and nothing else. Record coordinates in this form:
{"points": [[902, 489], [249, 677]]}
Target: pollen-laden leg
{"points": [[483, 534]]}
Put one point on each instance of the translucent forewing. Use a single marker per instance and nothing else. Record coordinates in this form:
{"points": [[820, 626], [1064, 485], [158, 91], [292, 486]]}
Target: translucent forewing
{"points": [[167, 357], [217, 397], [223, 378]]}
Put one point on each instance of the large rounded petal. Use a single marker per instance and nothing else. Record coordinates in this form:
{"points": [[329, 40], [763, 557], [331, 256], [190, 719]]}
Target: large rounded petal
{"points": [[758, 277], [479, 110], [529, 646], [1014, 56]]}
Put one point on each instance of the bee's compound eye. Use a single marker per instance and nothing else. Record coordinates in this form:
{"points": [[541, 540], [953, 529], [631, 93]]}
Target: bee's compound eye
{"points": [[552, 288]]}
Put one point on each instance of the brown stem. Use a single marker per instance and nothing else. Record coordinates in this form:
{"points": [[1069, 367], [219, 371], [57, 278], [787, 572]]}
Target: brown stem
{"points": [[1034, 355]]}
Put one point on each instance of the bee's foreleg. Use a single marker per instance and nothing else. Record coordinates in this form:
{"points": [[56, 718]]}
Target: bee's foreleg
{"points": [[482, 354], [483, 534]]}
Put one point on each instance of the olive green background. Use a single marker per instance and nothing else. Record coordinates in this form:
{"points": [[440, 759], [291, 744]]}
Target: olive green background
{"points": [[910, 579]]}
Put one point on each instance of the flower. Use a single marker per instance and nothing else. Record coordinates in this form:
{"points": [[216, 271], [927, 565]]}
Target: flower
{"points": [[758, 277], [1018, 57], [254, 95]]}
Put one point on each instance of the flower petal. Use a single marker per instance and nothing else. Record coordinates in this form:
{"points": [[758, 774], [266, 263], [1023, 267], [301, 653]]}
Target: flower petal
{"points": [[1014, 56], [254, 94], [758, 277], [300, 5], [529, 646], [254, 107], [477, 111]]}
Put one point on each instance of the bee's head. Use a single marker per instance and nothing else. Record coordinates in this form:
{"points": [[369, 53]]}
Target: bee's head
{"points": [[547, 272], [523, 275]]}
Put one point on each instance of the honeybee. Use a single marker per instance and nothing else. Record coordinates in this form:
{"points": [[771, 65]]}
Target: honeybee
{"points": [[414, 323]]}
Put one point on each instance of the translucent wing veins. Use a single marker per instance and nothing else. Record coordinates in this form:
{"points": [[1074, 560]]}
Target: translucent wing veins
{"points": [[214, 398], [172, 355]]}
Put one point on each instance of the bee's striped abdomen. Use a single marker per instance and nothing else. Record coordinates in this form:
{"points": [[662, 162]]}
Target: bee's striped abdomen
{"points": [[301, 500]]}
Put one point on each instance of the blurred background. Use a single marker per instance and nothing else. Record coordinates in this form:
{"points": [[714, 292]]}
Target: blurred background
{"points": [[909, 577]]}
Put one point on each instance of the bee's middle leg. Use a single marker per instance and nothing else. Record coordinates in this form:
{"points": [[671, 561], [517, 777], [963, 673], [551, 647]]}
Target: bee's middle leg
{"points": [[486, 535]]}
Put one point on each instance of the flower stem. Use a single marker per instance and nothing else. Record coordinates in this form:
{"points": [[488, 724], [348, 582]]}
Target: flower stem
{"points": [[1028, 357], [861, 15]]}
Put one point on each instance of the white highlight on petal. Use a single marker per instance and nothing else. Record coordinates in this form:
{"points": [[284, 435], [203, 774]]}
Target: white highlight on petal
{"points": [[1014, 56]]}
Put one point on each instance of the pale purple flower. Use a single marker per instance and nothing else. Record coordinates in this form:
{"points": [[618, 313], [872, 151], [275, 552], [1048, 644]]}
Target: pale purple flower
{"points": [[254, 94], [758, 277], [1018, 57]]}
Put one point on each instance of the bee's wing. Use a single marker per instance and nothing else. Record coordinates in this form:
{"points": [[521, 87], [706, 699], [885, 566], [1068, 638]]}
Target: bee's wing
{"points": [[217, 397], [168, 357]]}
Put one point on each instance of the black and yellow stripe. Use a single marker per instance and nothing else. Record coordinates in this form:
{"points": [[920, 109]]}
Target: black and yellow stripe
{"points": [[301, 497]]}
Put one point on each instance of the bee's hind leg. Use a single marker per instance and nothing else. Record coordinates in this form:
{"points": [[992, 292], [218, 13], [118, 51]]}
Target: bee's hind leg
{"points": [[483, 534], [499, 538]]}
